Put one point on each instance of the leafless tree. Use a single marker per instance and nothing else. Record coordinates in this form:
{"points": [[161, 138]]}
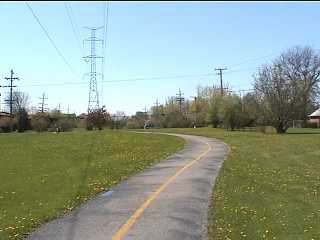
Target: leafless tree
{"points": [[275, 97], [302, 67], [287, 88], [21, 100]]}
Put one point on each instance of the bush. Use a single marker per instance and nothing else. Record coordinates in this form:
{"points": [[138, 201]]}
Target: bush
{"points": [[89, 127], [40, 122], [118, 124], [261, 129], [265, 129], [5, 124], [53, 121], [176, 120], [40, 125], [97, 119], [21, 120], [135, 123], [65, 124], [231, 115]]}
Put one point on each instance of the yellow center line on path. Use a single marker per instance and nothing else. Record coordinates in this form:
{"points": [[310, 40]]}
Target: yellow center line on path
{"points": [[126, 227]]}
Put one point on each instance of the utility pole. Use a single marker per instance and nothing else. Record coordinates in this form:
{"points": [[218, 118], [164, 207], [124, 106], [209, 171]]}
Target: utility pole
{"points": [[157, 107], [180, 99], [145, 113], [221, 82], [0, 101], [42, 107], [59, 107], [93, 103], [241, 96], [196, 110], [11, 86], [145, 117], [241, 102], [157, 104]]}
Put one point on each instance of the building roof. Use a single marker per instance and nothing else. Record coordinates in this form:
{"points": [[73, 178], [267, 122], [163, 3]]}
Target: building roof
{"points": [[315, 114], [4, 114]]}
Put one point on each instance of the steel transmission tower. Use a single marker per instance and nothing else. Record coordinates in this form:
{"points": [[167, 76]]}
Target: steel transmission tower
{"points": [[93, 103]]}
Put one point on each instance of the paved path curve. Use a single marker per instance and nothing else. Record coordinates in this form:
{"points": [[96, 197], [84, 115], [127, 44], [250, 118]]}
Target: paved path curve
{"points": [[168, 201]]}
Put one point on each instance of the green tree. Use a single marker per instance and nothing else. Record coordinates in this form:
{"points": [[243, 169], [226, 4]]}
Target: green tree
{"points": [[250, 110], [40, 122], [98, 119], [301, 66], [215, 111], [176, 119], [286, 88], [231, 112], [21, 120]]}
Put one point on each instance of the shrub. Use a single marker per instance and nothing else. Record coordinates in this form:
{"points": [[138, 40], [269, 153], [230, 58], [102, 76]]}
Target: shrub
{"points": [[176, 120], [261, 129], [21, 120], [5, 124], [40, 122], [135, 123], [97, 119], [40, 125], [65, 124], [265, 129]]}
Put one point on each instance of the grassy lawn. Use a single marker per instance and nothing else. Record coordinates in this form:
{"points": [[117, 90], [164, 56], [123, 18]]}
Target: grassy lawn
{"points": [[268, 188], [45, 175]]}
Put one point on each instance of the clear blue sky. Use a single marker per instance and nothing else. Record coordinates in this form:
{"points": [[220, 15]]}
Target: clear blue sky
{"points": [[149, 39]]}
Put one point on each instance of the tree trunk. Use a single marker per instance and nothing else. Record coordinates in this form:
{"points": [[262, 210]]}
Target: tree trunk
{"points": [[304, 113], [281, 128]]}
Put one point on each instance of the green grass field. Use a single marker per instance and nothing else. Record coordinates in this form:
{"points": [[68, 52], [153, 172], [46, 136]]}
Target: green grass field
{"points": [[268, 188], [45, 175]]}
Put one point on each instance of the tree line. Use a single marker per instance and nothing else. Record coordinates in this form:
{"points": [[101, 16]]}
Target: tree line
{"points": [[284, 90]]}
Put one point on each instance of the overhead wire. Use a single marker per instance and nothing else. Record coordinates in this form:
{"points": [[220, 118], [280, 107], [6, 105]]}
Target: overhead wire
{"points": [[73, 26], [105, 36], [247, 61], [241, 70], [75, 21], [49, 37], [253, 59], [123, 80], [77, 35]]}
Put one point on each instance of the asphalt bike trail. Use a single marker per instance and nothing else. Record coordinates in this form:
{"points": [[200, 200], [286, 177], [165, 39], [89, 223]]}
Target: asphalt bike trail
{"points": [[168, 201]]}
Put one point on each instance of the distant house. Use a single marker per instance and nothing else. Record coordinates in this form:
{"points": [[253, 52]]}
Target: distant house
{"points": [[4, 115], [315, 117], [4, 122]]}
